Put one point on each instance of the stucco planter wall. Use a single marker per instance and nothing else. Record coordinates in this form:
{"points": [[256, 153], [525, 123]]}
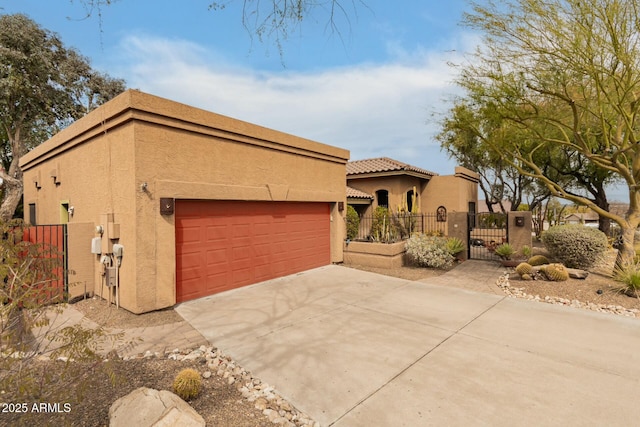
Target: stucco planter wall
{"points": [[384, 255]]}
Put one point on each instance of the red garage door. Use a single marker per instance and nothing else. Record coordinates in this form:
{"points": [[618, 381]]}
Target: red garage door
{"points": [[222, 245]]}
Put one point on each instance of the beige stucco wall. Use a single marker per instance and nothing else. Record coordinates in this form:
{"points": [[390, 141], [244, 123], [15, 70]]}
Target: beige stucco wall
{"points": [[179, 152], [454, 192], [396, 185], [520, 236], [80, 262]]}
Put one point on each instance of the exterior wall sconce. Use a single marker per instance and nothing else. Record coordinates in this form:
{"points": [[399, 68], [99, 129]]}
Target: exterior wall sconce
{"points": [[166, 206], [519, 221]]}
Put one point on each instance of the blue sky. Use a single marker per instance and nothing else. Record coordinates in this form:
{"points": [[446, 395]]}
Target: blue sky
{"points": [[372, 90], [377, 89]]}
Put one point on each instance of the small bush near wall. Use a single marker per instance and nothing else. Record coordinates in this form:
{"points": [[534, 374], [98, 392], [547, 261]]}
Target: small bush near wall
{"points": [[576, 246], [430, 251], [353, 223]]}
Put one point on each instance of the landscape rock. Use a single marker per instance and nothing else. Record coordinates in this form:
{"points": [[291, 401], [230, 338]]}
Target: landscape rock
{"points": [[146, 407], [503, 283], [577, 274]]}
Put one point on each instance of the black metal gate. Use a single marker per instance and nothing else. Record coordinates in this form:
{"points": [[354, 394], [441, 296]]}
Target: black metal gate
{"points": [[52, 241], [486, 231]]}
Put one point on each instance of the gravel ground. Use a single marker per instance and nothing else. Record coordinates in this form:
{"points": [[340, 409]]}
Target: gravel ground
{"points": [[219, 403]]}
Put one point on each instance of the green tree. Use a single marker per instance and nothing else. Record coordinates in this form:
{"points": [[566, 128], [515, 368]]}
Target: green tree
{"points": [[43, 87], [565, 73], [463, 137]]}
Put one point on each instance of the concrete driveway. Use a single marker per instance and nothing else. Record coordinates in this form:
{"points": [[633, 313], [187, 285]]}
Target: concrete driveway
{"points": [[352, 348]]}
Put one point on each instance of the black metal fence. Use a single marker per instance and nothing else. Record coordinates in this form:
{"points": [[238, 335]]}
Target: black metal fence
{"points": [[395, 227]]}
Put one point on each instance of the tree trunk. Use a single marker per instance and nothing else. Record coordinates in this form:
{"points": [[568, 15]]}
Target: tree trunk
{"points": [[13, 189], [604, 225], [626, 252]]}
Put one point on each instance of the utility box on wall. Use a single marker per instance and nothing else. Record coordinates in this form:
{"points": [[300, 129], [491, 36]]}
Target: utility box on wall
{"points": [[111, 276]]}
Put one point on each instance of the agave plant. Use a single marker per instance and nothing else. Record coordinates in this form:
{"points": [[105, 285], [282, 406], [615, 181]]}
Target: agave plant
{"points": [[505, 251], [629, 277]]}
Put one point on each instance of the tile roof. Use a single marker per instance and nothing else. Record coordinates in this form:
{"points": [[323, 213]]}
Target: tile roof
{"points": [[383, 164], [357, 194]]}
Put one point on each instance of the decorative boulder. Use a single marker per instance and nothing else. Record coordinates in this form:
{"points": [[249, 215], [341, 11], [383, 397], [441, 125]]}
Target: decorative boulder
{"points": [[146, 407]]}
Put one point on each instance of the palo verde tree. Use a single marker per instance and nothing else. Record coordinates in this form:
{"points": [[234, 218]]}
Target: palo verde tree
{"points": [[43, 87], [471, 130], [566, 74], [463, 135]]}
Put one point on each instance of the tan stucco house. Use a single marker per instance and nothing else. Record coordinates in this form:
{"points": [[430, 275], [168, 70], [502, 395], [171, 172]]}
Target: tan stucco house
{"points": [[200, 202], [390, 183]]}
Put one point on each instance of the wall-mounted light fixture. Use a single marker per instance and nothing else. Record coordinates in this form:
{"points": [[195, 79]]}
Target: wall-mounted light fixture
{"points": [[166, 206]]}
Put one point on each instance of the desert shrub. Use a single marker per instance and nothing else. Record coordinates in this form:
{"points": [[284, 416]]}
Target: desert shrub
{"points": [[353, 223], [455, 245], [576, 246], [629, 277], [556, 272], [538, 260], [429, 251], [526, 251], [524, 268], [187, 384], [505, 251], [29, 301]]}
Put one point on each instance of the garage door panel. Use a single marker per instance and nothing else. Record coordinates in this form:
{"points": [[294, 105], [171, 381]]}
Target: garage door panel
{"points": [[222, 245]]}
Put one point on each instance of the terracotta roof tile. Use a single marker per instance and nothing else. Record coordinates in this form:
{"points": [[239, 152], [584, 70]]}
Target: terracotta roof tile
{"points": [[383, 164], [357, 194]]}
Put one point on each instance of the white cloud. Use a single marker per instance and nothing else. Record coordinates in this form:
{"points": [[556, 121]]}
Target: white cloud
{"points": [[371, 109]]}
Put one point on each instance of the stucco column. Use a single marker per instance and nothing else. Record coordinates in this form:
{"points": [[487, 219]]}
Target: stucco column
{"points": [[458, 227]]}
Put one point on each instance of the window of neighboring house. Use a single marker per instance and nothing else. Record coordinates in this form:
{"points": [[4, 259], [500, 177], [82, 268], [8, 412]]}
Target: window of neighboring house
{"points": [[410, 200], [382, 196], [32, 214], [64, 212]]}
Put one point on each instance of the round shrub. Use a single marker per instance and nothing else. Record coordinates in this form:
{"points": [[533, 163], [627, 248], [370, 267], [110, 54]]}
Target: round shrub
{"points": [[576, 246], [556, 272], [429, 251], [353, 223], [538, 260], [524, 268], [187, 384]]}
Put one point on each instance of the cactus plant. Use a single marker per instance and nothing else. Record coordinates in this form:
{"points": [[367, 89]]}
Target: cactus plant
{"points": [[538, 260], [556, 272], [187, 384], [524, 268]]}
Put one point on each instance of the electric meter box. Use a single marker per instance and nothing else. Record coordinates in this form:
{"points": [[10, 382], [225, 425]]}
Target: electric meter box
{"points": [[111, 276], [96, 245]]}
